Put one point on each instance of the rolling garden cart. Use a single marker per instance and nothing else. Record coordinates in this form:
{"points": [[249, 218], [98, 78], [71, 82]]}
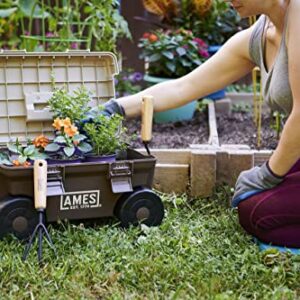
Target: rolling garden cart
{"points": [[74, 191]]}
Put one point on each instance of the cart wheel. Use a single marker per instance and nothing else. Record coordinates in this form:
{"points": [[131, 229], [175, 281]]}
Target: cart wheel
{"points": [[17, 216], [140, 206]]}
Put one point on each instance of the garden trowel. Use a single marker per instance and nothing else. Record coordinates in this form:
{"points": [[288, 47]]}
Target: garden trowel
{"points": [[40, 204], [147, 117]]}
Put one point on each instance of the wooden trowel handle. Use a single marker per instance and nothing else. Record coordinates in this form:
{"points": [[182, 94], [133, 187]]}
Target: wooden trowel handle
{"points": [[40, 183], [147, 117]]}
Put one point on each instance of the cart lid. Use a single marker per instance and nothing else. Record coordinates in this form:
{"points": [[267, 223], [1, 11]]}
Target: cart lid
{"points": [[26, 84]]}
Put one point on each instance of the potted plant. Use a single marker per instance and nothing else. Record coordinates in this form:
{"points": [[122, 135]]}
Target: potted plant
{"points": [[20, 155], [213, 21], [69, 145], [107, 136], [171, 54], [74, 105]]}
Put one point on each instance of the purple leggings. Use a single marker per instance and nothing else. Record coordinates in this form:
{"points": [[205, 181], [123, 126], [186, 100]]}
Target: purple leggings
{"points": [[273, 216]]}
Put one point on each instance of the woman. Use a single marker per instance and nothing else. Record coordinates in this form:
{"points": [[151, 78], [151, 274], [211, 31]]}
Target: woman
{"points": [[272, 43]]}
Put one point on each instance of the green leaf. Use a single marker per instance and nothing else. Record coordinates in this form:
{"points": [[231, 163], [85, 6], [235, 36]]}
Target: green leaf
{"points": [[39, 156], [69, 151], [52, 147], [171, 66], [14, 148], [29, 150], [168, 54], [154, 57], [181, 51], [31, 9], [22, 159], [85, 147], [79, 137], [4, 159], [4, 13], [60, 139], [185, 63]]}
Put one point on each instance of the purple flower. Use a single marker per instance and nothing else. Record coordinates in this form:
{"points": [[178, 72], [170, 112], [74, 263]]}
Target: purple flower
{"points": [[136, 76], [74, 45], [116, 81], [50, 34], [125, 78]]}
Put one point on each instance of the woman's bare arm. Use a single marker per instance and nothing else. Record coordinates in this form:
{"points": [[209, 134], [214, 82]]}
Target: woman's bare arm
{"points": [[288, 149], [226, 66]]}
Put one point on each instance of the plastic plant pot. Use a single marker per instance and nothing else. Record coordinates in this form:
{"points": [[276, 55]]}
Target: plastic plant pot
{"points": [[100, 158], [60, 161]]}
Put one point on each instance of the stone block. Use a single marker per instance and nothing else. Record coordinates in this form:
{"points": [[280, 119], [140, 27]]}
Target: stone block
{"points": [[223, 106], [260, 156], [171, 178], [203, 173], [230, 163]]}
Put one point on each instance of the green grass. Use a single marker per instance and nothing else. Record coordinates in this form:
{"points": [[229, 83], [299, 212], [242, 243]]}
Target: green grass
{"points": [[199, 252]]}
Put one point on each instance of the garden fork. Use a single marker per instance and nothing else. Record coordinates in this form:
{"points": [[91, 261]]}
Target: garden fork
{"points": [[40, 203]]}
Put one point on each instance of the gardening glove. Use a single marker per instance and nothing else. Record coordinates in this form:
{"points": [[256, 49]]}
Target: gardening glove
{"points": [[254, 181], [110, 108]]}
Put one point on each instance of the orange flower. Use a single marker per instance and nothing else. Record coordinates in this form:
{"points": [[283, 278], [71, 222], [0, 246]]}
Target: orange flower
{"points": [[66, 122], [71, 130], [16, 163], [40, 141], [153, 38], [26, 164], [57, 124]]}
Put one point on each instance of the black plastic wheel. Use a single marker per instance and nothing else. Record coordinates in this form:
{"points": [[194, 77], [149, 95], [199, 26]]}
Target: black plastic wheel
{"points": [[17, 216], [140, 206]]}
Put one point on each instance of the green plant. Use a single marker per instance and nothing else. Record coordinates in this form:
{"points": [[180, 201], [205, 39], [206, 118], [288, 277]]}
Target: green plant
{"points": [[241, 88], [241, 107], [22, 155], [41, 25], [128, 83], [214, 21], [5, 159], [215, 26], [107, 135], [203, 104], [74, 106], [68, 141], [172, 53], [279, 119], [198, 252]]}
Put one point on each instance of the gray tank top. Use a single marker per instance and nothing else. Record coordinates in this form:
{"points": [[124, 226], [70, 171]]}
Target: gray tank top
{"points": [[275, 82]]}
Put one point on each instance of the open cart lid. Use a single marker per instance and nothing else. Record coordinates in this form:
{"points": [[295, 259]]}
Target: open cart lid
{"points": [[26, 84]]}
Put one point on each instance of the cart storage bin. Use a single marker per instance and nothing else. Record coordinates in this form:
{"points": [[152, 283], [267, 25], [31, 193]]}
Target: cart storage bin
{"points": [[74, 191]]}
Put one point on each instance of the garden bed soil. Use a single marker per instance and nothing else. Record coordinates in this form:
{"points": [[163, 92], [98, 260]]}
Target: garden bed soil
{"points": [[237, 128], [173, 135]]}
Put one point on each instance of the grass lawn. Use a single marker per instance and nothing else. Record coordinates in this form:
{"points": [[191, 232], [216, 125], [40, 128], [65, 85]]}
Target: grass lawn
{"points": [[199, 252]]}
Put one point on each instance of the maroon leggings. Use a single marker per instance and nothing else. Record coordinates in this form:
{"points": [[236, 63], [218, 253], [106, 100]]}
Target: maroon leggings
{"points": [[273, 216]]}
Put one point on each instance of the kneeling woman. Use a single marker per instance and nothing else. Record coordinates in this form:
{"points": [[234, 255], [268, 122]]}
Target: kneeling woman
{"points": [[272, 43]]}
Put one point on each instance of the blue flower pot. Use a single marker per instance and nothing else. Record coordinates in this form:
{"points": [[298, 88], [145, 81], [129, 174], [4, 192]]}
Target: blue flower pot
{"points": [[183, 113]]}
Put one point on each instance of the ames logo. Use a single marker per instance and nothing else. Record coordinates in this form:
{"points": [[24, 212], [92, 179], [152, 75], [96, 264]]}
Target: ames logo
{"points": [[80, 200]]}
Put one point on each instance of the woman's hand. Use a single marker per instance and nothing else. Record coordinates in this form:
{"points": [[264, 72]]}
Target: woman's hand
{"points": [[254, 181]]}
